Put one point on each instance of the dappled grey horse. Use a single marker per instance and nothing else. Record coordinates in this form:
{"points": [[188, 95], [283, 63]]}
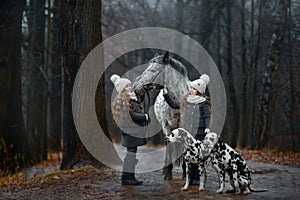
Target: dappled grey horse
{"points": [[164, 71]]}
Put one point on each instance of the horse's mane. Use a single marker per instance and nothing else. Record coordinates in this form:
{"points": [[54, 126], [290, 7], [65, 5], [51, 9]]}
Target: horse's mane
{"points": [[175, 64]]}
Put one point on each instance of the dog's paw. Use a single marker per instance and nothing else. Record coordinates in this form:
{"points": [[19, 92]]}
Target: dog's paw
{"points": [[220, 191], [238, 191], [183, 189], [246, 192]]}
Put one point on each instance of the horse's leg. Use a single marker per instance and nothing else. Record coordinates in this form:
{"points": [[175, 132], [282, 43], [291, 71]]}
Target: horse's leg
{"points": [[168, 162], [183, 170], [167, 171]]}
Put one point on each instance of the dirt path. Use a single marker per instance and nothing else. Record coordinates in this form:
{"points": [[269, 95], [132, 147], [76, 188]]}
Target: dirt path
{"points": [[282, 182]]}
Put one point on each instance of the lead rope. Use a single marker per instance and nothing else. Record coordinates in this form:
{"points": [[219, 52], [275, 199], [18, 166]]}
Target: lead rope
{"points": [[146, 109]]}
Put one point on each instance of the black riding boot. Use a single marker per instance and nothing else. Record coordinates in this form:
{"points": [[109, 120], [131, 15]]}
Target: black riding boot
{"points": [[133, 177], [129, 163], [128, 179], [133, 174], [167, 172]]}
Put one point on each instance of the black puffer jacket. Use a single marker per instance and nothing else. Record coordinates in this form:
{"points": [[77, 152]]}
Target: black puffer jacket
{"points": [[136, 127], [196, 117]]}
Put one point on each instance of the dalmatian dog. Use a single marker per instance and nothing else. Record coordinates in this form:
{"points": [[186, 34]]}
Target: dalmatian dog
{"points": [[226, 160], [196, 152]]}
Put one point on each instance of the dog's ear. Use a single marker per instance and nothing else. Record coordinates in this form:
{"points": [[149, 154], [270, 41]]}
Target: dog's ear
{"points": [[175, 131], [220, 139], [182, 132], [166, 58]]}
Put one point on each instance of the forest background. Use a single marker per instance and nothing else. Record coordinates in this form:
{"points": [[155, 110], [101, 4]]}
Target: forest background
{"points": [[254, 43]]}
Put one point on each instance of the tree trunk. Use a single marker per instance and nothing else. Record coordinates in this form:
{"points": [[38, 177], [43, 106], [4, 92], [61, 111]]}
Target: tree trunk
{"points": [[253, 79], [206, 25], [292, 104], [231, 90], [179, 22], [82, 32], [243, 133], [219, 35], [55, 90], [13, 147], [36, 109], [263, 119]]}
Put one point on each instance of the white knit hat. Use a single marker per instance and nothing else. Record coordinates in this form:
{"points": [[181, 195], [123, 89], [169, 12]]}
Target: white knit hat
{"points": [[120, 83], [201, 83]]}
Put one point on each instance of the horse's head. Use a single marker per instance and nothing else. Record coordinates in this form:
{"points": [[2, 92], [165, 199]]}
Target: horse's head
{"points": [[162, 70]]}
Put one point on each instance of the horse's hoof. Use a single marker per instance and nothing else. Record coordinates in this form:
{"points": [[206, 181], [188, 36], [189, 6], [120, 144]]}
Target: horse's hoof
{"points": [[201, 189], [183, 189], [168, 177]]}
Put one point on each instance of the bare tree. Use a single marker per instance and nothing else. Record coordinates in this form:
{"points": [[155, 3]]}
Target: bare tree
{"points": [[230, 73], [292, 74], [263, 119], [242, 138], [36, 105], [13, 147], [206, 22], [255, 40], [82, 32], [55, 89]]}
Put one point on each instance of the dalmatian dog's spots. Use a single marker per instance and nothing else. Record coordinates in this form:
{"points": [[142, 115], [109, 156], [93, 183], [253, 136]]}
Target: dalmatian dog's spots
{"points": [[226, 160], [196, 152], [223, 158]]}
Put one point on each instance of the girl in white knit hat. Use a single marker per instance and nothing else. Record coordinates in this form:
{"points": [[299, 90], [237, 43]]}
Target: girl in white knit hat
{"points": [[125, 109], [195, 115]]}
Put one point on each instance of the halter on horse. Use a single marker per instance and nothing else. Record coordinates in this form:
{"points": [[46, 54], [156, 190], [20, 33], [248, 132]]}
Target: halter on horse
{"points": [[164, 71]]}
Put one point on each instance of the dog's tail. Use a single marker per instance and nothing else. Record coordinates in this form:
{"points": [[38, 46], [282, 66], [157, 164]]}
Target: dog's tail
{"points": [[257, 190]]}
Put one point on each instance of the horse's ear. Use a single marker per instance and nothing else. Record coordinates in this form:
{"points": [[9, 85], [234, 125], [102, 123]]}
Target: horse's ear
{"points": [[166, 58]]}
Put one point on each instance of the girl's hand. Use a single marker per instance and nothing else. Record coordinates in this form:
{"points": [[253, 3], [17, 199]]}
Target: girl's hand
{"points": [[165, 90], [206, 131]]}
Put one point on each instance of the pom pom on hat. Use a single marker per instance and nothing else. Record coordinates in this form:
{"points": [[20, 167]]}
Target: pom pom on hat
{"points": [[201, 83], [114, 77], [205, 78], [120, 83]]}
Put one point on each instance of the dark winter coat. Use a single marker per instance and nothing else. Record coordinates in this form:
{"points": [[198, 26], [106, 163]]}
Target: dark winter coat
{"points": [[196, 117], [128, 129]]}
